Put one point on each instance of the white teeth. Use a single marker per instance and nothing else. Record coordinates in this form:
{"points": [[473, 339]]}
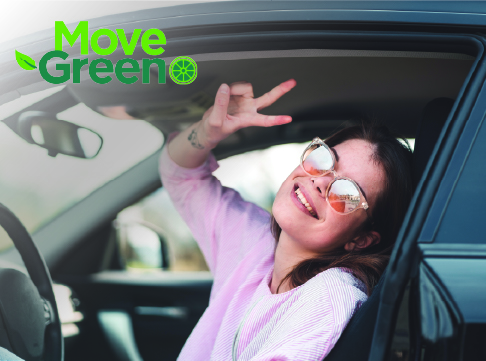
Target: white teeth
{"points": [[304, 201]]}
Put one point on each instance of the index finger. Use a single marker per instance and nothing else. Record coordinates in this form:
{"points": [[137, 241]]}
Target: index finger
{"points": [[269, 98]]}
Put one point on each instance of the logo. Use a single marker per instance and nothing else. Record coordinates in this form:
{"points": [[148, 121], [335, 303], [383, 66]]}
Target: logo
{"points": [[182, 70]]}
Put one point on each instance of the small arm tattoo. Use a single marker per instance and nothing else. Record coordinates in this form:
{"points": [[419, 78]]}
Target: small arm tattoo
{"points": [[193, 139]]}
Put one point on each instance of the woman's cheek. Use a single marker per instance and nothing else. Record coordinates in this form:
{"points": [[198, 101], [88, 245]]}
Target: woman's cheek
{"points": [[276, 210], [281, 212]]}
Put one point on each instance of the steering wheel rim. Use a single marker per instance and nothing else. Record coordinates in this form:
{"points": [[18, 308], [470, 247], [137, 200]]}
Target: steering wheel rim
{"points": [[41, 278]]}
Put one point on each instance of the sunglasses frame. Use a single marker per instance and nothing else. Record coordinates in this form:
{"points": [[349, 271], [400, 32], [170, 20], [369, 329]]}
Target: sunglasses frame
{"points": [[363, 203]]}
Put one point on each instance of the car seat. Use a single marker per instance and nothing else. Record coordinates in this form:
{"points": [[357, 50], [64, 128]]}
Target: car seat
{"points": [[355, 341]]}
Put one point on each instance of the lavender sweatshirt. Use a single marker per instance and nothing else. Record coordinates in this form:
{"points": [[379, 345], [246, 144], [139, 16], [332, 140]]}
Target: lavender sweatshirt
{"points": [[244, 320]]}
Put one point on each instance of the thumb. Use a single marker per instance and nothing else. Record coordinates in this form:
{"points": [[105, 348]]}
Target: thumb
{"points": [[220, 106]]}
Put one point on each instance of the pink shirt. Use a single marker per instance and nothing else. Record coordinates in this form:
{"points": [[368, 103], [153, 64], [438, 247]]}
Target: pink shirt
{"points": [[244, 320]]}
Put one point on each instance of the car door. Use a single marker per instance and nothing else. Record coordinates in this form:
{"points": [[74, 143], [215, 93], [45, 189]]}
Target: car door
{"points": [[440, 256], [451, 292]]}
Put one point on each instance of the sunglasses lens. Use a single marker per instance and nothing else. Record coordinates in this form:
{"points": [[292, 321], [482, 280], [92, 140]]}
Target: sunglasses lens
{"points": [[317, 160], [343, 196]]}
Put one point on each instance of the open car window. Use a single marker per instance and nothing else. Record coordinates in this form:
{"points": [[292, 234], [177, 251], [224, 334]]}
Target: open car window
{"points": [[256, 175]]}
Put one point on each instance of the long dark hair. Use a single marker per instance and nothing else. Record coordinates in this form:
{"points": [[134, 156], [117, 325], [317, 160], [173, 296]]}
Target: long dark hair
{"points": [[367, 264]]}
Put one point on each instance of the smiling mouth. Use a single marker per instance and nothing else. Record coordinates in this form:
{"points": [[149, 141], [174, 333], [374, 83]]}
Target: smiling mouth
{"points": [[304, 201]]}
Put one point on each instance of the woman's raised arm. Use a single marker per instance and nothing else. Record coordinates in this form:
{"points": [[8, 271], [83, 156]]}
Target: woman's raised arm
{"points": [[224, 225], [234, 108]]}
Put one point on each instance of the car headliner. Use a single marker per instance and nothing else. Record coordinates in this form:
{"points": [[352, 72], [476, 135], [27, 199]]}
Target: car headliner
{"points": [[334, 87], [439, 12], [203, 18]]}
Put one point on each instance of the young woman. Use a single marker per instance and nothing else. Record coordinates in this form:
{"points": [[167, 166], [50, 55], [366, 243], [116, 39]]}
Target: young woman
{"points": [[285, 286]]}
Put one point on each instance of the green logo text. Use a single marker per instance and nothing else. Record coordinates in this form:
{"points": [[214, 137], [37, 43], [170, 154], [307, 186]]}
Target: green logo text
{"points": [[183, 70]]}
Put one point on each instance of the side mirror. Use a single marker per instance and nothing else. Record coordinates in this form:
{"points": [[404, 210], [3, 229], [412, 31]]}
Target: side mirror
{"points": [[58, 136], [141, 247]]}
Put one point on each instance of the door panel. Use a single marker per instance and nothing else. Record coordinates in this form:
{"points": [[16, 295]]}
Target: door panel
{"points": [[163, 308]]}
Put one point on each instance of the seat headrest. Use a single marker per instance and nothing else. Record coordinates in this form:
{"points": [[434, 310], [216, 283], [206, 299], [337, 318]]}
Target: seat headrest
{"points": [[434, 115]]}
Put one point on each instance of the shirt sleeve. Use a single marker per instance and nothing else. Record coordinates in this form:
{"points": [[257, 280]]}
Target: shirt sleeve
{"points": [[311, 327], [224, 225]]}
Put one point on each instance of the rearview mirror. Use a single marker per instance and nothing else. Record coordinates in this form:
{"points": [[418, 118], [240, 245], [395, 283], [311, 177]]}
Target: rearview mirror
{"points": [[58, 136]]}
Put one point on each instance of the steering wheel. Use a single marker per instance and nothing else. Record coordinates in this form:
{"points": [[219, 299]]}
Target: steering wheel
{"points": [[29, 320]]}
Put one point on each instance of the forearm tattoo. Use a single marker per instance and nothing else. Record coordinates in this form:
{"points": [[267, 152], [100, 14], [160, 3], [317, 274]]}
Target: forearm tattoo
{"points": [[193, 139]]}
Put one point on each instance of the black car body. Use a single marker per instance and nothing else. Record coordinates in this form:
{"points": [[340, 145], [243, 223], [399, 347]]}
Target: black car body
{"points": [[372, 58]]}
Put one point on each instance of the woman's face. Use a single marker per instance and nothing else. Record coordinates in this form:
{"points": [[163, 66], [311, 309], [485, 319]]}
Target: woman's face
{"points": [[328, 229]]}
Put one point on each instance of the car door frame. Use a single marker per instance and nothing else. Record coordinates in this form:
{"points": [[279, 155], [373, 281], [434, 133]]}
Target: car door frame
{"points": [[431, 199]]}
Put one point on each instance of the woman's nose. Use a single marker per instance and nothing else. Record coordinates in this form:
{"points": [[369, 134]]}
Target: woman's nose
{"points": [[321, 183]]}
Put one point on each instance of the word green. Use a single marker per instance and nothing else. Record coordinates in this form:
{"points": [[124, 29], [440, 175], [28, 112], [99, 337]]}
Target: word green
{"points": [[120, 69]]}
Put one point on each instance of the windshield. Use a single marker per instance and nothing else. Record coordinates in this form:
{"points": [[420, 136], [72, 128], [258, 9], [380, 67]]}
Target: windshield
{"points": [[37, 187]]}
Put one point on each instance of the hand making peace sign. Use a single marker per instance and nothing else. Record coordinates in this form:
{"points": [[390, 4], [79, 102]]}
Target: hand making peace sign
{"points": [[235, 108]]}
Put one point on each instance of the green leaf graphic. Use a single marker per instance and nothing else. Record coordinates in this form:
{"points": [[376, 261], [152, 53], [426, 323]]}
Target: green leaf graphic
{"points": [[25, 62]]}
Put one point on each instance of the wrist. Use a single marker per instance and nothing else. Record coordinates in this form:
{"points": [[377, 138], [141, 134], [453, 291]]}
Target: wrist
{"points": [[199, 137]]}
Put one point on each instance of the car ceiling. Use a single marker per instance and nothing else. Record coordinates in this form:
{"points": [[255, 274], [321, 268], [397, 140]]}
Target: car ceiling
{"points": [[334, 88]]}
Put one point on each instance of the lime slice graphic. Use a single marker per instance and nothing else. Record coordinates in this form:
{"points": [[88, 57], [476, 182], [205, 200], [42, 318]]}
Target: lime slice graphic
{"points": [[183, 70]]}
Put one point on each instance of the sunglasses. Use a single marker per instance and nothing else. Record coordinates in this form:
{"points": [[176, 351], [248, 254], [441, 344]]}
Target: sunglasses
{"points": [[342, 194]]}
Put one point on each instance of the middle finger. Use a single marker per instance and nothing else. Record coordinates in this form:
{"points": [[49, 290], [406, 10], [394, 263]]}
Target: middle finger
{"points": [[269, 98]]}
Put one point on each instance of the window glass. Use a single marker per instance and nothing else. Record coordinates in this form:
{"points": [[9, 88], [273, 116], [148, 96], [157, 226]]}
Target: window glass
{"points": [[463, 219], [37, 187]]}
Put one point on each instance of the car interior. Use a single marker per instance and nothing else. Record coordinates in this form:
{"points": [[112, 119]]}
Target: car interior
{"points": [[410, 91]]}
